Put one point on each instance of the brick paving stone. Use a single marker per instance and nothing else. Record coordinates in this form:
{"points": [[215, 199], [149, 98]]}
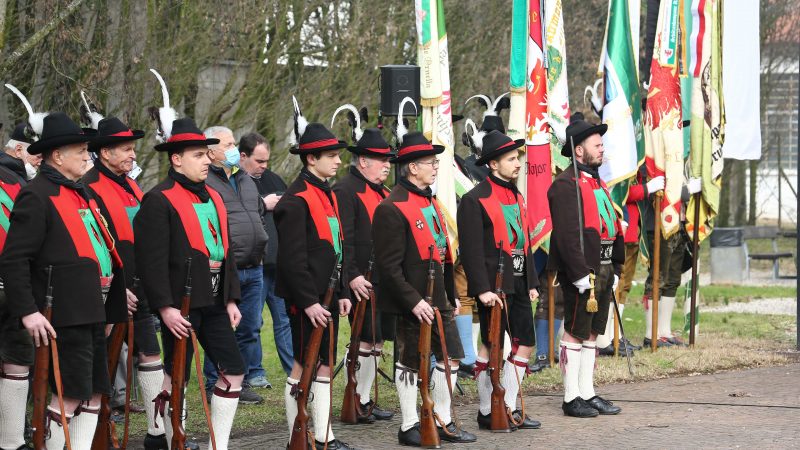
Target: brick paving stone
{"points": [[724, 410]]}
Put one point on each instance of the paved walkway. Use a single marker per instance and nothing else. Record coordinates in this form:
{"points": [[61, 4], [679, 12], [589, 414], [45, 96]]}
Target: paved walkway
{"points": [[750, 408]]}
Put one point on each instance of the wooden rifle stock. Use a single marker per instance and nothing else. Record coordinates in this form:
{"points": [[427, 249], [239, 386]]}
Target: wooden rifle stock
{"points": [[300, 438], [41, 375], [351, 405], [499, 419], [427, 423], [179, 368]]}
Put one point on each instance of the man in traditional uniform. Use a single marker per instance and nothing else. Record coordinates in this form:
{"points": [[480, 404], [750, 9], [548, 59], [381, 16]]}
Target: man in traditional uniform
{"points": [[588, 262], [309, 248], [16, 346], [57, 234], [119, 197], [16, 157], [405, 226], [492, 218], [359, 193], [181, 218]]}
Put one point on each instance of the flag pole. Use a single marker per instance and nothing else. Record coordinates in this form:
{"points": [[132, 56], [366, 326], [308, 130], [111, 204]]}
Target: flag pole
{"points": [[695, 275], [656, 271]]}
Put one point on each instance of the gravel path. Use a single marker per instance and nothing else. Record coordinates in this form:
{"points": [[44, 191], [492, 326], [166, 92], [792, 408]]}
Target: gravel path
{"points": [[786, 306]]}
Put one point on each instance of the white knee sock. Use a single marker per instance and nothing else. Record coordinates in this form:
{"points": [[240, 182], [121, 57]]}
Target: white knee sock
{"points": [[586, 373], [223, 410], [484, 387], [321, 408], [520, 366], [476, 334], [365, 375], [82, 428], [665, 307], [56, 439], [648, 320], [13, 398], [607, 338], [290, 402], [441, 394], [151, 377], [570, 361], [406, 381], [167, 422], [621, 307]]}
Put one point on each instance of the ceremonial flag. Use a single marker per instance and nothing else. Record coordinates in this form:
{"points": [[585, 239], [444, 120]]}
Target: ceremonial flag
{"points": [[624, 140], [663, 120], [557, 89], [708, 111], [437, 120], [537, 139], [517, 73]]}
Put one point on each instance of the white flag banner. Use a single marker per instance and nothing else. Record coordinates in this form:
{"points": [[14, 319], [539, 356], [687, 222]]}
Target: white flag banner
{"points": [[741, 78]]}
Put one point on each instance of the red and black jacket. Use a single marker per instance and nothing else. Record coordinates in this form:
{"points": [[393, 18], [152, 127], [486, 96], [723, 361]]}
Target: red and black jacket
{"points": [[10, 184], [306, 253], [565, 251], [481, 226], [357, 199], [402, 250], [114, 194], [47, 230], [163, 241]]}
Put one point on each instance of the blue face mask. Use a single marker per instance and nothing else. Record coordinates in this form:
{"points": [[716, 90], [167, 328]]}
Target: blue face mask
{"points": [[232, 157]]}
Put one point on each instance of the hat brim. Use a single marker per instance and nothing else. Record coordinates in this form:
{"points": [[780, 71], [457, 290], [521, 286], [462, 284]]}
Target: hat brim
{"points": [[363, 151], [297, 151], [58, 141], [566, 150], [417, 155], [180, 145], [105, 141], [485, 158]]}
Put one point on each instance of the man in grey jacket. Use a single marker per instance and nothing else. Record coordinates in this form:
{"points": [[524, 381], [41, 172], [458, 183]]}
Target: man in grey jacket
{"points": [[249, 241]]}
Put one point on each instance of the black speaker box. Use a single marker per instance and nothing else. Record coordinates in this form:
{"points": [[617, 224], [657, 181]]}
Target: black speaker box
{"points": [[398, 82]]}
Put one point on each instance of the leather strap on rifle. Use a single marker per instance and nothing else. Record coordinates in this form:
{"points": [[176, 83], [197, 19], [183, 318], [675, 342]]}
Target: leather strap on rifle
{"points": [[128, 384], [516, 375], [59, 390], [199, 372], [447, 368]]}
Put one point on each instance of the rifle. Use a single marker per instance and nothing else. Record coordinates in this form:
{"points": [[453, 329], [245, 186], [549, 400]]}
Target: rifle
{"points": [[41, 375], [300, 434], [105, 435], [499, 421], [351, 406], [427, 422], [179, 368]]}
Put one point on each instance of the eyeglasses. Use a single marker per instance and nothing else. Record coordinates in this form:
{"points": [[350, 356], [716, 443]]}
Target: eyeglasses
{"points": [[434, 163]]}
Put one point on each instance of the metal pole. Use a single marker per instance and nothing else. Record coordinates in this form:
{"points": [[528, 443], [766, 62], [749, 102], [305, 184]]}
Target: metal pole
{"points": [[656, 269], [695, 275]]}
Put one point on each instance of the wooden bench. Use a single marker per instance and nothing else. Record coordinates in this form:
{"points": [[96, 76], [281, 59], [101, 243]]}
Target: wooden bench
{"points": [[765, 232]]}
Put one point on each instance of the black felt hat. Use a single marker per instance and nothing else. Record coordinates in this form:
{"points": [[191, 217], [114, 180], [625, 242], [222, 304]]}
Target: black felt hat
{"points": [[372, 143], [184, 134], [316, 138], [19, 133], [415, 146], [58, 130], [111, 131], [577, 131], [495, 144]]}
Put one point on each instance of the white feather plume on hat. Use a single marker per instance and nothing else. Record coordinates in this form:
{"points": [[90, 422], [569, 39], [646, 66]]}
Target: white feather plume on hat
{"points": [[166, 114], [401, 127], [492, 107], [357, 131], [597, 103], [300, 123], [35, 119], [475, 137], [93, 116]]}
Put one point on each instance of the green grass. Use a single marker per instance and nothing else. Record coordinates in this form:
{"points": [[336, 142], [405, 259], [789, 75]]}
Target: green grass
{"points": [[722, 293], [726, 341]]}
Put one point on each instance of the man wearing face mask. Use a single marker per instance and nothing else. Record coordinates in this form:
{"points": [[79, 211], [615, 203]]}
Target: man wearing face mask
{"points": [[359, 193], [16, 157], [249, 241]]}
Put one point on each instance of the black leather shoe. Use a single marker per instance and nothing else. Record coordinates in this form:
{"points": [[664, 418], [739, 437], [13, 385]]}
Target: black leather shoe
{"points": [[368, 419], [191, 445], [527, 422], [332, 445], [674, 340], [630, 344], [609, 351], [410, 437], [155, 442], [603, 406], [485, 422], [578, 408], [466, 370], [540, 364], [379, 413], [456, 435], [662, 342]]}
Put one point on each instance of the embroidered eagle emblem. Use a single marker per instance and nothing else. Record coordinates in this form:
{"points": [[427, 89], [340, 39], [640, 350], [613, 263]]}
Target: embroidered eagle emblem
{"points": [[419, 224]]}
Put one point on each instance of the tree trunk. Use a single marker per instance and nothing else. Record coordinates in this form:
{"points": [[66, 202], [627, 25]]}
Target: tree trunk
{"points": [[751, 216]]}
